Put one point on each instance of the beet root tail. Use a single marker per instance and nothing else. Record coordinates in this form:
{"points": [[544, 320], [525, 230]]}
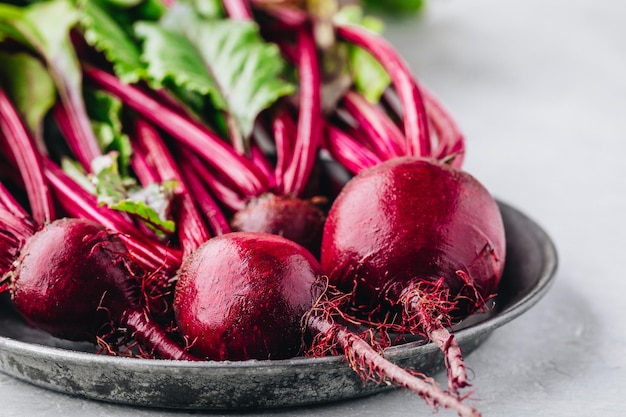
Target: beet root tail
{"points": [[368, 363], [457, 373], [425, 313]]}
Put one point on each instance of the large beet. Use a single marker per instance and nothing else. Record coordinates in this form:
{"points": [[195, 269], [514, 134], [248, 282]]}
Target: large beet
{"points": [[242, 296], [420, 237]]}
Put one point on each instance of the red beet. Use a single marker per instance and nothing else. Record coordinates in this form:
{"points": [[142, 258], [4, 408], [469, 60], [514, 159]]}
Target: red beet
{"points": [[296, 219], [419, 237], [74, 279], [242, 296]]}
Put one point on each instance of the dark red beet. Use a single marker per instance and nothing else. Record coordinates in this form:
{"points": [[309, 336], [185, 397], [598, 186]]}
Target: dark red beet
{"points": [[73, 279], [421, 237], [242, 296], [301, 221]]}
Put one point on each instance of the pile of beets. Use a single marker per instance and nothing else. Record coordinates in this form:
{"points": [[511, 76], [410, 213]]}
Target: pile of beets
{"points": [[354, 228]]}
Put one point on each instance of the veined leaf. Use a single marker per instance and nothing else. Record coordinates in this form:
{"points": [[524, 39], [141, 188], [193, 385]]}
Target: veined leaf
{"points": [[103, 32], [44, 28], [226, 60]]}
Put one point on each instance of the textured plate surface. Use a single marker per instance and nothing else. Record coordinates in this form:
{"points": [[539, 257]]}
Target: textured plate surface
{"points": [[72, 368]]}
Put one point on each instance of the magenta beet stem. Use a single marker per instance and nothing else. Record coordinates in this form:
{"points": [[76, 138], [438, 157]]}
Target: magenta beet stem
{"points": [[414, 116], [191, 228], [283, 129], [237, 9], [83, 150], [451, 139], [310, 116], [206, 203], [385, 137], [238, 169], [21, 146], [348, 152]]}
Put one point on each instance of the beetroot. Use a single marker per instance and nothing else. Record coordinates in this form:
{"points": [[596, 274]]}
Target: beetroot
{"points": [[242, 295], [296, 219], [75, 280], [421, 238]]}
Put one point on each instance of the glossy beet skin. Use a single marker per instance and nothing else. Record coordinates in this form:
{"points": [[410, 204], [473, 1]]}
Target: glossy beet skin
{"points": [[242, 296], [301, 221], [74, 279], [408, 220], [68, 308]]}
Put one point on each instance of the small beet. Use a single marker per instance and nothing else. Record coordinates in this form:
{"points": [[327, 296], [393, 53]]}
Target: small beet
{"points": [[299, 220]]}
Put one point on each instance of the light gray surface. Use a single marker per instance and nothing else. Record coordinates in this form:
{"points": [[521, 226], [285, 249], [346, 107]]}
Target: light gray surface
{"points": [[539, 88]]}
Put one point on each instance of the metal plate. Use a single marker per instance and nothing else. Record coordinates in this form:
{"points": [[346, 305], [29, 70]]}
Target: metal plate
{"points": [[72, 368]]}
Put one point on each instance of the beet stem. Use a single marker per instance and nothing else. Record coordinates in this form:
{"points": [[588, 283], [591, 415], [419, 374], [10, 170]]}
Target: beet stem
{"points": [[309, 119], [22, 147], [148, 334], [237, 168], [358, 351], [75, 139], [384, 136], [348, 152], [206, 203], [283, 128], [237, 9], [191, 228], [414, 112]]}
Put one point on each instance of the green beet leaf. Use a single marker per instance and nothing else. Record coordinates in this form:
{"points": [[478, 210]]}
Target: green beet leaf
{"points": [[30, 87], [105, 113], [150, 204], [224, 60], [102, 31]]}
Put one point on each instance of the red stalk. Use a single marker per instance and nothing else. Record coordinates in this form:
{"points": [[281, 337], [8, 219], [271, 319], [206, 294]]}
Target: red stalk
{"points": [[386, 138], [192, 230], [83, 151], [260, 160], [8, 202], [414, 112], [21, 146], [145, 173], [451, 140], [297, 173], [223, 192], [309, 120], [237, 9], [206, 203], [348, 152], [244, 175], [284, 129]]}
